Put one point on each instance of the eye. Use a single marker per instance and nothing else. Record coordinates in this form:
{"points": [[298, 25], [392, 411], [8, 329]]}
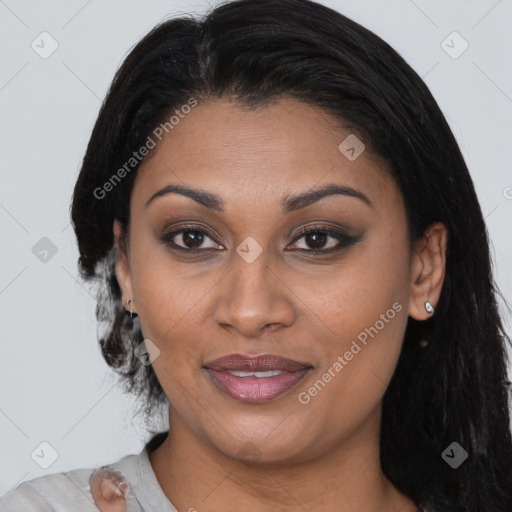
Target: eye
{"points": [[189, 239], [320, 240], [317, 238]]}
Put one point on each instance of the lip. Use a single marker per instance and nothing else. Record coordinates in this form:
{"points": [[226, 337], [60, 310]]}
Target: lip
{"points": [[253, 389], [264, 362]]}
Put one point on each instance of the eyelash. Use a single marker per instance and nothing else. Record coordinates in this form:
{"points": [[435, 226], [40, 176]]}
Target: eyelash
{"points": [[343, 239]]}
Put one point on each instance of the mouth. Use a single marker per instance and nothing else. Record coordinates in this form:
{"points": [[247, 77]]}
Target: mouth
{"points": [[256, 379]]}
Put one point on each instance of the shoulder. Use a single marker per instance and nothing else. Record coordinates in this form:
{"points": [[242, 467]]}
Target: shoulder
{"points": [[50, 493], [68, 490]]}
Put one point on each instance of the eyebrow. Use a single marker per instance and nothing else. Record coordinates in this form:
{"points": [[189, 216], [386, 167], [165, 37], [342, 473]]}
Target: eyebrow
{"points": [[290, 203]]}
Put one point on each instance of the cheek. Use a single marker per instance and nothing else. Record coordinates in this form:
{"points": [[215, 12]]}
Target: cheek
{"points": [[363, 323], [355, 371], [167, 303], [163, 293], [168, 318], [363, 286], [168, 314]]}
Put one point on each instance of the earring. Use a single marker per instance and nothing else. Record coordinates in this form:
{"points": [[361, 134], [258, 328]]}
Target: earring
{"points": [[131, 312], [429, 307]]}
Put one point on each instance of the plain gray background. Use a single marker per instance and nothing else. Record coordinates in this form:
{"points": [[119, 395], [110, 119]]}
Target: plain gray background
{"points": [[54, 385]]}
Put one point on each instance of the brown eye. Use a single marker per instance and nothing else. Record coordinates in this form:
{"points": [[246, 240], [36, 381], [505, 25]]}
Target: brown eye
{"points": [[322, 240], [316, 239], [189, 239], [192, 239]]}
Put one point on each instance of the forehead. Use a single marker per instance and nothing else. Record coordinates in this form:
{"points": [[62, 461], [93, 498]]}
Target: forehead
{"points": [[261, 153]]}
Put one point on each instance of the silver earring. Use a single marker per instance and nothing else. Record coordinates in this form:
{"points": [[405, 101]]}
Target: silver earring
{"points": [[131, 312], [429, 307]]}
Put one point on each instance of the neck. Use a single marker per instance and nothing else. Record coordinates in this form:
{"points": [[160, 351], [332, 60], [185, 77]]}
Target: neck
{"points": [[194, 475]]}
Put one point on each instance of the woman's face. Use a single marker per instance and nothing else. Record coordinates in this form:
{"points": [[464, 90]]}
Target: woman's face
{"points": [[256, 285]]}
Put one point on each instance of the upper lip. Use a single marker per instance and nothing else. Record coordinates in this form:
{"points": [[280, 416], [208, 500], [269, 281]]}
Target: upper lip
{"points": [[265, 362]]}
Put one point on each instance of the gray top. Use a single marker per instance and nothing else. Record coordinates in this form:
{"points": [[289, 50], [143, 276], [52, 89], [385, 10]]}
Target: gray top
{"points": [[66, 491]]}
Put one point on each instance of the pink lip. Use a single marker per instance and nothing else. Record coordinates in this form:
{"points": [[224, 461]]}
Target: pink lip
{"points": [[254, 389], [239, 362]]}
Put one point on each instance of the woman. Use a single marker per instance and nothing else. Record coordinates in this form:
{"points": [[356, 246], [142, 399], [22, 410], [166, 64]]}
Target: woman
{"points": [[296, 261]]}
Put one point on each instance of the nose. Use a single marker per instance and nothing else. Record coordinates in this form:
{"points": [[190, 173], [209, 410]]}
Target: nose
{"points": [[254, 299]]}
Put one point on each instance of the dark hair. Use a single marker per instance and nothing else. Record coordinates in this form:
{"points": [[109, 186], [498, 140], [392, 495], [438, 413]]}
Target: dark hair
{"points": [[254, 52]]}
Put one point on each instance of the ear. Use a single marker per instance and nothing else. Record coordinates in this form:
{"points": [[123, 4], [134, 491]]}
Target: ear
{"points": [[428, 270], [122, 266]]}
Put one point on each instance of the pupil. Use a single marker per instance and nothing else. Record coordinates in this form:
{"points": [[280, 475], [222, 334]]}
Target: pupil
{"points": [[193, 238], [316, 240]]}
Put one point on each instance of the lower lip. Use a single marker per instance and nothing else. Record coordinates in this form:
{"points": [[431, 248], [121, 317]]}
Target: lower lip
{"points": [[253, 389]]}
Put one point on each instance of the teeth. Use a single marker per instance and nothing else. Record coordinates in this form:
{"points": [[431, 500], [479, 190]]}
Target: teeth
{"points": [[259, 375]]}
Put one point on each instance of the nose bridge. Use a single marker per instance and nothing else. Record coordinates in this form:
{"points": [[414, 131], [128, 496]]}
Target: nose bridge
{"points": [[250, 265], [253, 297], [250, 287]]}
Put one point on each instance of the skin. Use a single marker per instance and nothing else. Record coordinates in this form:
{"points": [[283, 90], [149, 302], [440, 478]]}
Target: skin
{"points": [[108, 489], [321, 456]]}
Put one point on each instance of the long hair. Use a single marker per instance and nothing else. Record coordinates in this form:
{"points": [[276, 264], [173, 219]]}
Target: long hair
{"points": [[452, 389]]}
